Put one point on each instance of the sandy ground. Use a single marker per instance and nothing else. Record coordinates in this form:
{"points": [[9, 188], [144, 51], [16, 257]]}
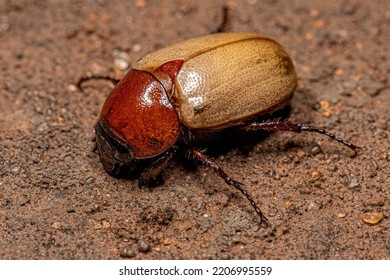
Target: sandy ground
{"points": [[58, 203]]}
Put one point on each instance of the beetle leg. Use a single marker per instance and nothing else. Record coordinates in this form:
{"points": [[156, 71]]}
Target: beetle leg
{"points": [[155, 168], [231, 182], [288, 125], [89, 76]]}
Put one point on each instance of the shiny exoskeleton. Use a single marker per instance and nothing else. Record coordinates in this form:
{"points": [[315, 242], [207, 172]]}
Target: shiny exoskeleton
{"points": [[175, 96]]}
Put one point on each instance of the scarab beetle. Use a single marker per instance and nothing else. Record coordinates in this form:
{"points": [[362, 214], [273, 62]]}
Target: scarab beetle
{"points": [[174, 97]]}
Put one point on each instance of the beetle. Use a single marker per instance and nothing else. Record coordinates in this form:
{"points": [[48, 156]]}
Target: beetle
{"points": [[176, 97]]}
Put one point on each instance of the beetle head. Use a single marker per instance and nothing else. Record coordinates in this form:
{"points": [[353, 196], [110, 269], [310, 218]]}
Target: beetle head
{"points": [[137, 122], [113, 155]]}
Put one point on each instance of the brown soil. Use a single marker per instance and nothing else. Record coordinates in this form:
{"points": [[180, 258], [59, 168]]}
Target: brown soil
{"points": [[58, 203]]}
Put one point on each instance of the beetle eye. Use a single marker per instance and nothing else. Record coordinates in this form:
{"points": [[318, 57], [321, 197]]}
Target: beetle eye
{"points": [[111, 152]]}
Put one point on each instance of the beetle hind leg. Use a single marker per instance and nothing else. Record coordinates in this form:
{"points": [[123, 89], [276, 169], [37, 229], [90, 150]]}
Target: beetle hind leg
{"points": [[289, 125], [231, 182]]}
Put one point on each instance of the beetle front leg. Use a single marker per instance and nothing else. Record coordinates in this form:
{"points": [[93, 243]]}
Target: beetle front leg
{"points": [[288, 125], [155, 168], [231, 182]]}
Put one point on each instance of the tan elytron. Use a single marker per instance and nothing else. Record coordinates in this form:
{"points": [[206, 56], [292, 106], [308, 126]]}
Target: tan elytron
{"points": [[226, 78]]}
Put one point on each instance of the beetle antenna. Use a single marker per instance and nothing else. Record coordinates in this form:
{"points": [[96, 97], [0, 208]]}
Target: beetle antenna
{"points": [[231, 182], [226, 20], [90, 76], [289, 125]]}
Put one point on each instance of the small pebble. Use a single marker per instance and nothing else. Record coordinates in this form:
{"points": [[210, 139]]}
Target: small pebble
{"points": [[72, 88], [137, 48], [353, 183], [288, 204], [144, 246], [127, 252], [15, 170], [89, 180], [331, 167], [341, 215], [311, 205], [167, 241], [372, 218], [56, 225], [315, 150], [272, 212], [97, 225], [105, 224], [121, 61], [314, 174]]}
